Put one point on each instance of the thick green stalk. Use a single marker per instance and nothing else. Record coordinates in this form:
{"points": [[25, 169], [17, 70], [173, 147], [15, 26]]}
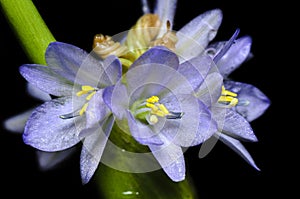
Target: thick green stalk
{"points": [[29, 28], [149, 185]]}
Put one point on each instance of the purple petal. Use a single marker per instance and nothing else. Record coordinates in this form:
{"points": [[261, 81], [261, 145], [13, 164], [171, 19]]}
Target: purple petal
{"points": [[112, 71], [235, 56], [188, 131], [155, 79], [142, 132], [49, 160], [92, 149], [96, 110], [37, 93], [43, 78], [158, 55], [194, 37], [210, 90], [196, 69], [65, 59], [171, 159], [116, 98], [234, 125], [253, 103], [238, 148], [47, 131]]}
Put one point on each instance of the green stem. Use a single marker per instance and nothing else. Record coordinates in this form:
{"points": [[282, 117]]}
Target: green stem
{"points": [[29, 28], [122, 185]]}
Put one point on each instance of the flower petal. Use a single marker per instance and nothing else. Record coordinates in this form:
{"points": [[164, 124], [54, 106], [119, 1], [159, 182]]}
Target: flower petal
{"points": [[96, 110], [158, 55], [47, 131], [166, 12], [253, 103], [141, 132], [93, 147], [45, 79], [116, 98], [17, 123], [171, 159], [210, 90], [196, 69], [234, 124], [188, 131], [237, 147], [49, 160], [235, 56], [37, 93], [194, 37]]}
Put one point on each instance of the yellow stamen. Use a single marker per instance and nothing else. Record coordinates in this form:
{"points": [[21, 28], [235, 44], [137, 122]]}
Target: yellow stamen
{"points": [[227, 92], [83, 109], [156, 108], [163, 108], [153, 99], [228, 97], [90, 95]]}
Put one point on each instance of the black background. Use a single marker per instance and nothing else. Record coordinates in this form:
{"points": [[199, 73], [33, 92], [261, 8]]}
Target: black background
{"points": [[222, 173]]}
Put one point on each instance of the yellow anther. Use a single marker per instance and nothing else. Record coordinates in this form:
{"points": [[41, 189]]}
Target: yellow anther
{"points": [[84, 90], [87, 88], [79, 93], [163, 109], [228, 97], [153, 99], [227, 92], [83, 109], [153, 119], [90, 95], [159, 113]]}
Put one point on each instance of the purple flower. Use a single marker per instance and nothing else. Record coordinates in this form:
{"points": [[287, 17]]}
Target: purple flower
{"points": [[156, 103], [77, 112], [239, 103]]}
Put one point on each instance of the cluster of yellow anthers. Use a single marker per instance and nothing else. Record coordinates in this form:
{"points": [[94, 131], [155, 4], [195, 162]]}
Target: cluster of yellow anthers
{"points": [[90, 92], [229, 98]]}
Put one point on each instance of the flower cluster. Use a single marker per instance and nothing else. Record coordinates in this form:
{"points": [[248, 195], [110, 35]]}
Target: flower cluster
{"points": [[168, 90]]}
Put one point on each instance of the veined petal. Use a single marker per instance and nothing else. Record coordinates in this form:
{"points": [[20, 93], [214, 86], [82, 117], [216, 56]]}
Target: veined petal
{"points": [[255, 102], [210, 90], [235, 125], [235, 56], [112, 71], [141, 132], [46, 131], [96, 110], [93, 147], [188, 131], [171, 159], [65, 59], [166, 12], [37, 93], [194, 37], [196, 69], [49, 160], [17, 123], [158, 55], [237, 146], [45, 79], [116, 98]]}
